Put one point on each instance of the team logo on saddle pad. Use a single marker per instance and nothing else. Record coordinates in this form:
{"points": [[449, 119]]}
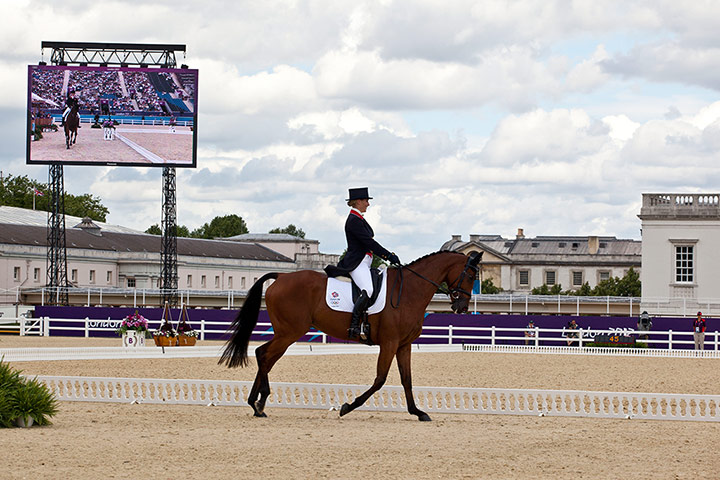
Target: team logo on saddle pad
{"points": [[338, 296]]}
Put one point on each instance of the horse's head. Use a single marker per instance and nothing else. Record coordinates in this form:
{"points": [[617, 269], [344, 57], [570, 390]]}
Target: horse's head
{"points": [[460, 289]]}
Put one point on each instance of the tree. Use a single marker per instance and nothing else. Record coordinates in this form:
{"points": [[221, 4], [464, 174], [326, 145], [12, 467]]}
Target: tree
{"points": [[225, 226], [290, 230], [487, 286], [19, 192], [545, 290], [182, 230]]}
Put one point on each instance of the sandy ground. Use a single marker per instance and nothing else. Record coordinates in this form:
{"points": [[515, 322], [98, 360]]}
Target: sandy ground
{"points": [[94, 440], [90, 146]]}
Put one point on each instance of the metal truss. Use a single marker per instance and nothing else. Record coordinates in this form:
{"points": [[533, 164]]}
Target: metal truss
{"points": [[168, 253], [120, 54], [56, 250]]}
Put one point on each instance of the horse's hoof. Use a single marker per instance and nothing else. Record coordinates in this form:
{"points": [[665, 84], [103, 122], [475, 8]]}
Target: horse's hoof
{"points": [[424, 418], [345, 409], [260, 415]]}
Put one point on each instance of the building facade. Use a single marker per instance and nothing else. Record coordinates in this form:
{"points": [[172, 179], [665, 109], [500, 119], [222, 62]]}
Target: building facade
{"points": [[520, 264], [680, 258]]}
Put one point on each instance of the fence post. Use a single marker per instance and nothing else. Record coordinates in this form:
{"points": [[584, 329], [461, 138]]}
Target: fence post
{"points": [[134, 297], [580, 343], [143, 302], [324, 337], [202, 329], [101, 296], [670, 340], [607, 308], [22, 326], [42, 297], [46, 332], [631, 314], [577, 307], [510, 303], [88, 302], [492, 335], [537, 337], [450, 334], [87, 327], [526, 304], [716, 340], [558, 304]]}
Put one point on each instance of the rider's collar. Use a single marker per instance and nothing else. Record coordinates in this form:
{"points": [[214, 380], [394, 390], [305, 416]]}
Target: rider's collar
{"points": [[356, 212]]}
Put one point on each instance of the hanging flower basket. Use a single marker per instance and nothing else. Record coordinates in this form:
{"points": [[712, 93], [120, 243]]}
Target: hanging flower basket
{"points": [[187, 336], [164, 340], [165, 336]]}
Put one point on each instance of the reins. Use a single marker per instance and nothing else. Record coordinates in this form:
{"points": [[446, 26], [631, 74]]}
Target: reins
{"points": [[443, 289]]}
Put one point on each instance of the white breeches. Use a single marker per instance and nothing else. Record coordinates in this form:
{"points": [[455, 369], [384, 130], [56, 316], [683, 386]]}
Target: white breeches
{"points": [[361, 275]]}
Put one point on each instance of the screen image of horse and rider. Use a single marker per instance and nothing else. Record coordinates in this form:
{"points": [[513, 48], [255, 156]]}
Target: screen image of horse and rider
{"points": [[112, 116]]}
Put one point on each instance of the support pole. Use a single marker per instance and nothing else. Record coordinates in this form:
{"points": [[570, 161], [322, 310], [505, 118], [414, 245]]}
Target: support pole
{"points": [[168, 252], [56, 250]]}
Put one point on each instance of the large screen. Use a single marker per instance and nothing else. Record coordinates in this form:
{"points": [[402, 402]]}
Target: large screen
{"points": [[112, 116]]}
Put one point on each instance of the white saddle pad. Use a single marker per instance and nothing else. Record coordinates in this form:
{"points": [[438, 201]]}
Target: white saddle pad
{"points": [[338, 295]]}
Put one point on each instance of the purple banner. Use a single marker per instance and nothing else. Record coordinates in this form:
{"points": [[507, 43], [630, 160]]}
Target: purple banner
{"points": [[109, 317]]}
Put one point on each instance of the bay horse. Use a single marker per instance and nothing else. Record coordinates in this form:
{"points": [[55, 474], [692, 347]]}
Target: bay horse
{"points": [[296, 301], [71, 126]]}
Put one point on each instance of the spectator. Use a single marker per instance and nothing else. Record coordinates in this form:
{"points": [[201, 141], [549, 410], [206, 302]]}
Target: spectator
{"points": [[530, 333], [699, 332], [573, 333], [644, 324]]}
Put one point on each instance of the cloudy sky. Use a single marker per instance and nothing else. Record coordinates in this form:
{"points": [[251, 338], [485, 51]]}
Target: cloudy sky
{"points": [[462, 117]]}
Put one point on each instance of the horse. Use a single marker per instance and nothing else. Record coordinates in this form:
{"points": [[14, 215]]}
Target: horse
{"points": [[296, 301], [71, 126]]}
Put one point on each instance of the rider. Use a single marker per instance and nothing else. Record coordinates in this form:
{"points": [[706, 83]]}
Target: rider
{"points": [[69, 104], [359, 255]]}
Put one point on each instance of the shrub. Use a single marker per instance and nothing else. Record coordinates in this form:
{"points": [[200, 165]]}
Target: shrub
{"points": [[21, 397]]}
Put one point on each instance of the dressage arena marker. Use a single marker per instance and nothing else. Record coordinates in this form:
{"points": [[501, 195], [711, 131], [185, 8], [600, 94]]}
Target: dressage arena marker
{"points": [[488, 401], [142, 151]]}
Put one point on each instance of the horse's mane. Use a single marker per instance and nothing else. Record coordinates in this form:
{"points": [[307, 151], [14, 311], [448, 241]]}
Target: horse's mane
{"points": [[432, 255]]}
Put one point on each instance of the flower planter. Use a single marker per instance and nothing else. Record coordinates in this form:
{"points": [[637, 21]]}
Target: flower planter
{"points": [[186, 341], [24, 421], [133, 339], [163, 341]]}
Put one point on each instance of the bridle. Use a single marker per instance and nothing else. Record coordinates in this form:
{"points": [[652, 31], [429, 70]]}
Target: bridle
{"points": [[454, 292]]}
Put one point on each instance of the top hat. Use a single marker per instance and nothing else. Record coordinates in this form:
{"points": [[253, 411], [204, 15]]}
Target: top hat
{"points": [[358, 194]]}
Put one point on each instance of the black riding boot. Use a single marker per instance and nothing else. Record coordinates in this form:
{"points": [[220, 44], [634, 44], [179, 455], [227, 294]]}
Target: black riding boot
{"points": [[358, 313]]}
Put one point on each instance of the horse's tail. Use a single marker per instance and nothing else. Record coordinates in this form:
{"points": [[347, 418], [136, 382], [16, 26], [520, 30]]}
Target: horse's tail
{"points": [[235, 353]]}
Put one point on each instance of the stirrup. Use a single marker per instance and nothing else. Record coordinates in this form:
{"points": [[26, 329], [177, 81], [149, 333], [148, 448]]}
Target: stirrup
{"points": [[364, 331]]}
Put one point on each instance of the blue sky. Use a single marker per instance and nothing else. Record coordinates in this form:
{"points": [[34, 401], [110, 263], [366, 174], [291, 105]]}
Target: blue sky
{"points": [[464, 117]]}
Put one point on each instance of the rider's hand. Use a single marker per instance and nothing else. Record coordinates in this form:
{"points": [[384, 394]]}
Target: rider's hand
{"points": [[393, 259]]}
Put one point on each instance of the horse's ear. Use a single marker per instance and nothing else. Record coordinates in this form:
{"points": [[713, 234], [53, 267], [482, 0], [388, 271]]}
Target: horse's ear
{"points": [[475, 258]]}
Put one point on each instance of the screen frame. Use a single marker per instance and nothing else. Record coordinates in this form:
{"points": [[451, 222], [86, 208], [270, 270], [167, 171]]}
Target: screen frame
{"points": [[110, 162]]}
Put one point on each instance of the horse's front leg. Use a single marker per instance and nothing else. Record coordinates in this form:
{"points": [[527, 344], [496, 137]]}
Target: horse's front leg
{"points": [[383, 366], [403, 361]]}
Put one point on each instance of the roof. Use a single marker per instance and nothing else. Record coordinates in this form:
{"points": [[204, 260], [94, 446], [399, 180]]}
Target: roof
{"points": [[39, 218], [138, 242], [268, 237], [548, 245]]}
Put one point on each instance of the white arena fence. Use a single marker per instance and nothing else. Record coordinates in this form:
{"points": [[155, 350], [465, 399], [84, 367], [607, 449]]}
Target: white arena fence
{"points": [[565, 403], [451, 335]]}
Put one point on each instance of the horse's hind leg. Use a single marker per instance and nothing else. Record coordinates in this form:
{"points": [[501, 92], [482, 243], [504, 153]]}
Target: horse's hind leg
{"points": [[267, 355]]}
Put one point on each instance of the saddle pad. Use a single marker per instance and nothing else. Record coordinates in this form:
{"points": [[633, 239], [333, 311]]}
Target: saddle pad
{"points": [[338, 295]]}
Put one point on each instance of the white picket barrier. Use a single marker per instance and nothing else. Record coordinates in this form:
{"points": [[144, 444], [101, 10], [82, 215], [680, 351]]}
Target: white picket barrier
{"points": [[487, 401]]}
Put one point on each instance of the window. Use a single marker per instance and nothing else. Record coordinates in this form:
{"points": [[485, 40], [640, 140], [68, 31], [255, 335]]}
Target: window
{"points": [[203, 281], [189, 281], [577, 279], [684, 264], [36, 274], [131, 283], [217, 281], [524, 278], [575, 246], [561, 245], [16, 274], [73, 275], [230, 282], [242, 283], [550, 277], [602, 276], [108, 277], [92, 276]]}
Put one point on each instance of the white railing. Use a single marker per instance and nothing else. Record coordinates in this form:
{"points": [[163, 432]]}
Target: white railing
{"points": [[450, 334], [565, 403]]}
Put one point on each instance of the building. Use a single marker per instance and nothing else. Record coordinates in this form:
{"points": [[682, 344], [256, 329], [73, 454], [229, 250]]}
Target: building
{"points": [[305, 252], [680, 256], [521, 264], [101, 255]]}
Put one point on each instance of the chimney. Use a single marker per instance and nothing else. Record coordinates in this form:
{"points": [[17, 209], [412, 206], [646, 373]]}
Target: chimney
{"points": [[593, 245], [456, 238], [475, 238], [521, 233]]}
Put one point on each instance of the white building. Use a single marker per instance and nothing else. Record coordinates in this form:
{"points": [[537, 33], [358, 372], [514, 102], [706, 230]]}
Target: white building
{"points": [[680, 255], [112, 256], [521, 264]]}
